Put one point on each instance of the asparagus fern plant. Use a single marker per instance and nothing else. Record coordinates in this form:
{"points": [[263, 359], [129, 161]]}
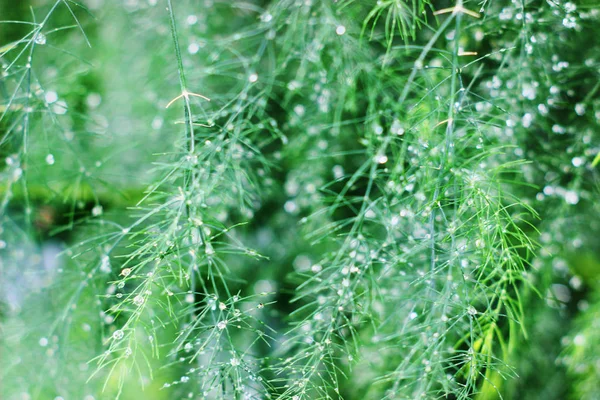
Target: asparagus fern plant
{"points": [[299, 199]]}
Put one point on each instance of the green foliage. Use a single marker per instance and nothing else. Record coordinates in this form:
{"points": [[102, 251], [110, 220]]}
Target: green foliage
{"points": [[299, 199]]}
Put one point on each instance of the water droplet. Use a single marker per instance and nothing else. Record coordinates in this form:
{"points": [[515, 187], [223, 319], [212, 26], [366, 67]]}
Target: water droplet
{"points": [[105, 264], [138, 300], [51, 97], [340, 30], [413, 315], [527, 120], [118, 335], [252, 78], [93, 100], [528, 91], [157, 123], [192, 19], [299, 110], [193, 48], [569, 7], [576, 282], [40, 38], [579, 340], [471, 310], [505, 14], [50, 159], [17, 173], [234, 362], [396, 128], [97, 210], [569, 22], [577, 161], [290, 207], [222, 325], [266, 17], [382, 159], [43, 342], [571, 197], [558, 129]]}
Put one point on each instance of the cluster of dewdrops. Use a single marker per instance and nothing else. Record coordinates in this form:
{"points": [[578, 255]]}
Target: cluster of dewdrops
{"points": [[570, 19]]}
